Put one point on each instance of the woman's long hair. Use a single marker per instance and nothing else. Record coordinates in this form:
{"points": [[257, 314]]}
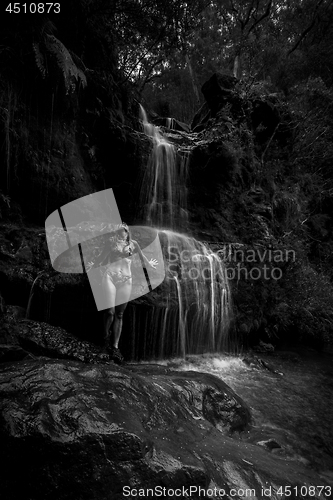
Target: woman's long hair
{"points": [[117, 241]]}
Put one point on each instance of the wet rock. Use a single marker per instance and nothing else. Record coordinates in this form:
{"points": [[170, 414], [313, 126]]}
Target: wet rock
{"points": [[203, 395], [15, 312], [59, 299], [293, 357], [263, 347], [42, 339], [270, 444], [13, 353], [170, 123], [23, 253], [75, 431], [259, 364], [89, 428], [185, 141], [225, 412], [244, 329]]}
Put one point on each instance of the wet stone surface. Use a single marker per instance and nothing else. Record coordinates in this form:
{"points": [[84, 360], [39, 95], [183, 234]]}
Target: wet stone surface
{"points": [[74, 430]]}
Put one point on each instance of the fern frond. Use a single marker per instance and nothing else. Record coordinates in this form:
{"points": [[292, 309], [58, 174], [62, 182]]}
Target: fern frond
{"points": [[48, 27], [70, 72], [78, 61], [39, 58]]}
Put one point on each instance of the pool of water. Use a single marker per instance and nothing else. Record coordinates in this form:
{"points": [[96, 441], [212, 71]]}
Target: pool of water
{"points": [[290, 394]]}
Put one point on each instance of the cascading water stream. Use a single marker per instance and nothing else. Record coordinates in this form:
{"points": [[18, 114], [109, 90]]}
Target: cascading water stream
{"points": [[196, 284], [163, 192], [191, 311], [169, 122], [182, 330], [203, 291], [46, 315], [31, 294]]}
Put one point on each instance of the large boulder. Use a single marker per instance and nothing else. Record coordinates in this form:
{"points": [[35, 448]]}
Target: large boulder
{"points": [[42, 339], [218, 91], [75, 431]]}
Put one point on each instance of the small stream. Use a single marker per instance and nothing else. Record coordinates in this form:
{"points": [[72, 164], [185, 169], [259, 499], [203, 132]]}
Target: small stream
{"points": [[291, 400]]}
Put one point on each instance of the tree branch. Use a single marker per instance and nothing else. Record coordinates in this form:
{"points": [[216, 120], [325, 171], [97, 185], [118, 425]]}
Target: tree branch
{"points": [[149, 76], [233, 8], [249, 12], [264, 15], [307, 30], [142, 57], [226, 23]]}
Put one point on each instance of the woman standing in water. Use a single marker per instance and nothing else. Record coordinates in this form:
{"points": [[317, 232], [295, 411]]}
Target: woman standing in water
{"points": [[117, 284]]}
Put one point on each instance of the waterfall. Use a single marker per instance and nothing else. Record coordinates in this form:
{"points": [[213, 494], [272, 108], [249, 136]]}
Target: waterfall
{"points": [[170, 122], [194, 310], [203, 292], [191, 310], [31, 294], [163, 191]]}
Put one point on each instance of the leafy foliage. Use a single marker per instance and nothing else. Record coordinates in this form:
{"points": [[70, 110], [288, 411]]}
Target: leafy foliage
{"points": [[278, 43], [56, 50]]}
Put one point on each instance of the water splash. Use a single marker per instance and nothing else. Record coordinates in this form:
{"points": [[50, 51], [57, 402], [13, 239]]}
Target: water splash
{"points": [[190, 313], [203, 293]]}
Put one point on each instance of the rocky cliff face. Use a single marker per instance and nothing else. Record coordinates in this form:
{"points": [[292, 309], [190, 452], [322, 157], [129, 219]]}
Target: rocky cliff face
{"points": [[67, 129], [240, 200], [59, 155], [248, 201]]}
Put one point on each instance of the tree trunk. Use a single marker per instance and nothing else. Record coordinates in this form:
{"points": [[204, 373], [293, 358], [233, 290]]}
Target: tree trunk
{"points": [[195, 87], [237, 71]]}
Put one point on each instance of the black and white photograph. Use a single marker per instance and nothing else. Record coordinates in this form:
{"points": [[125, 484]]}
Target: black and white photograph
{"points": [[166, 250]]}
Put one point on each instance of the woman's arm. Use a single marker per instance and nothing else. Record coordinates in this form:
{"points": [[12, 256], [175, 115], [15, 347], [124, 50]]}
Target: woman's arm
{"points": [[152, 262]]}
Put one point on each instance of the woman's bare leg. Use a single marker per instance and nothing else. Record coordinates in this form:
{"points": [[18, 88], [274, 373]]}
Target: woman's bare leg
{"points": [[122, 298], [109, 313], [108, 319], [117, 325]]}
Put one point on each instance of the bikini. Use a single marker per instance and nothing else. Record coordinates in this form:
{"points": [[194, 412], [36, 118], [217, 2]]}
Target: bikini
{"points": [[118, 278]]}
